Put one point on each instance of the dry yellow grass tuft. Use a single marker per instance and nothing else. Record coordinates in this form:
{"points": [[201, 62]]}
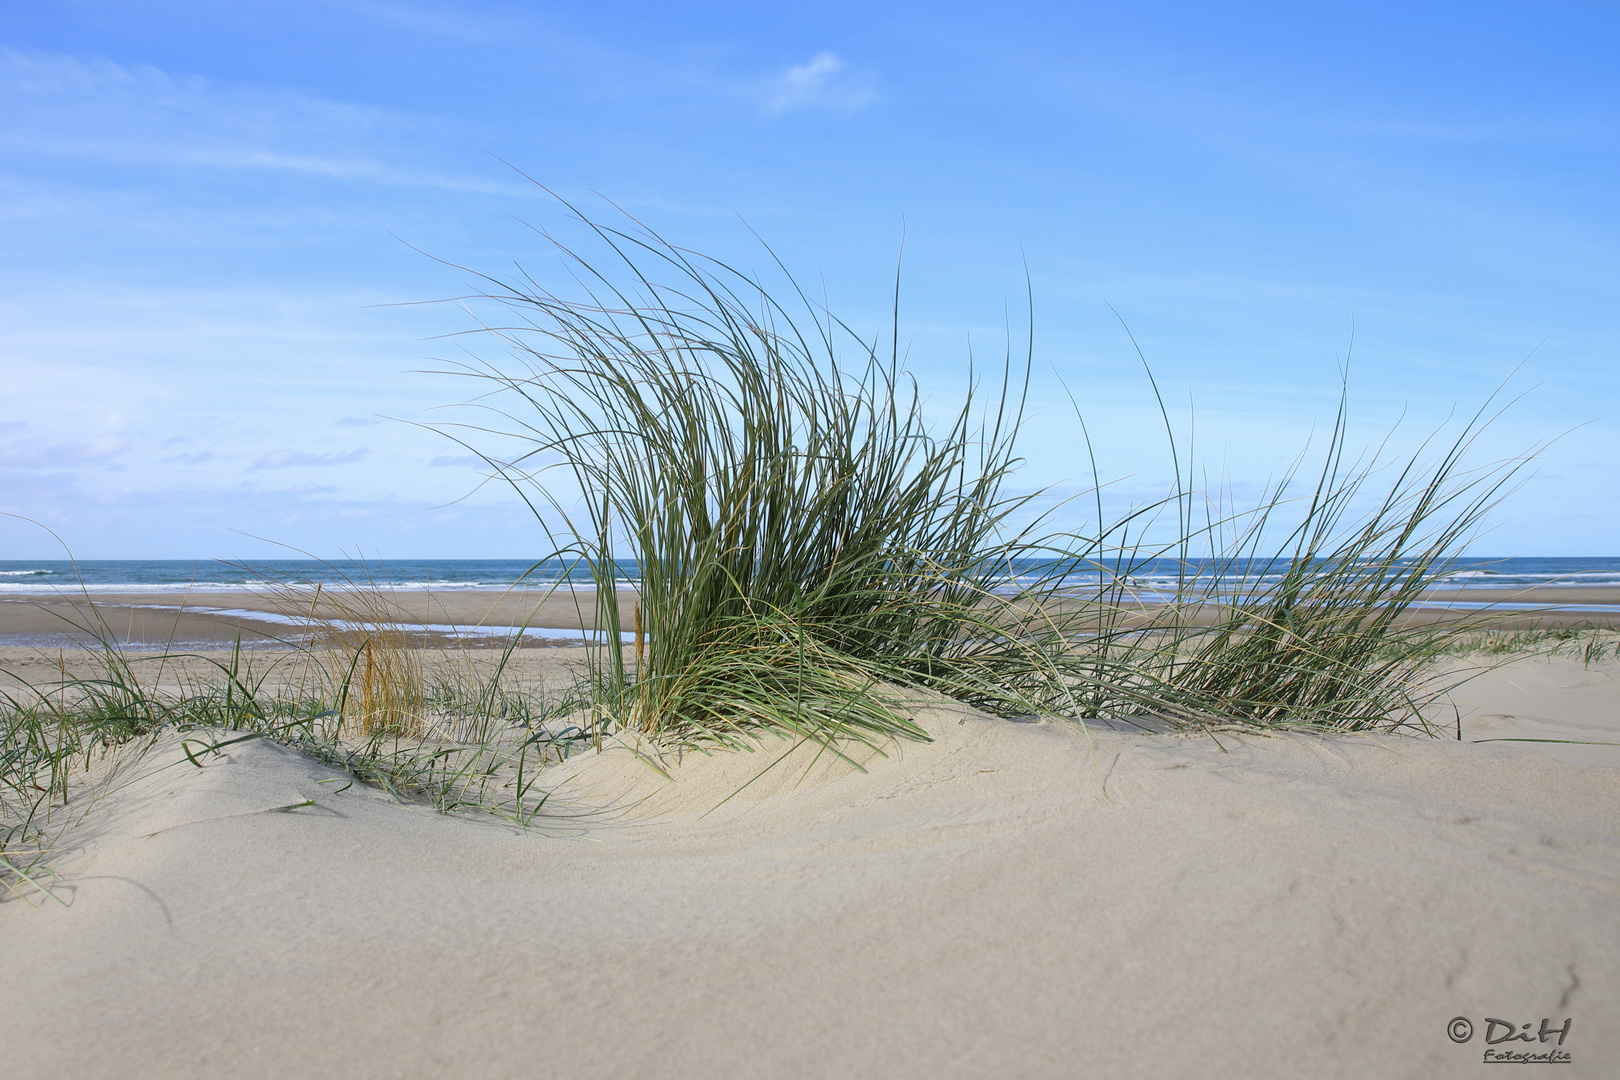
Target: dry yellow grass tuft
{"points": [[367, 659]]}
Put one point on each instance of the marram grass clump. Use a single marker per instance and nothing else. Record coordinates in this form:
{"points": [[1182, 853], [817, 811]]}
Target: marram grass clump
{"points": [[360, 652], [802, 540], [460, 732], [1303, 623], [805, 548]]}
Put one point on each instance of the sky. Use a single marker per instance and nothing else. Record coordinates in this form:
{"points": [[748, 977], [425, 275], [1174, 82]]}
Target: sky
{"points": [[223, 227]]}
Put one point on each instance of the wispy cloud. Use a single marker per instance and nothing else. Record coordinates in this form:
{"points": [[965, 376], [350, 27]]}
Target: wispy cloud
{"points": [[174, 152], [281, 459], [139, 115], [469, 460], [821, 82]]}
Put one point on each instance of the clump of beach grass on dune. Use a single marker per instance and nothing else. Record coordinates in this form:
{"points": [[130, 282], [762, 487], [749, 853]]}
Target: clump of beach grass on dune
{"points": [[806, 547], [1304, 625], [1589, 644], [454, 733], [473, 739], [37, 758], [357, 650], [802, 540], [51, 735]]}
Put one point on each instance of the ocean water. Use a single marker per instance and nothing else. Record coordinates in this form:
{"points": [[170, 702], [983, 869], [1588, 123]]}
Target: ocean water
{"points": [[205, 576], [43, 576]]}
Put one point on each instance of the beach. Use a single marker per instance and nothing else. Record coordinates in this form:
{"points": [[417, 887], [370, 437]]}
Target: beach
{"points": [[262, 619], [688, 541], [1031, 899], [268, 620]]}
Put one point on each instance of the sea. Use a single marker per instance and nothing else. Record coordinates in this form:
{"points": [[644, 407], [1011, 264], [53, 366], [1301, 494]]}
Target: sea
{"points": [[47, 576]]}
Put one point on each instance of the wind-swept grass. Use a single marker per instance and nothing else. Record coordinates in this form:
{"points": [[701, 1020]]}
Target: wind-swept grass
{"points": [[1588, 644], [357, 650], [1305, 624], [472, 738], [806, 546], [804, 539], [50, 735]]}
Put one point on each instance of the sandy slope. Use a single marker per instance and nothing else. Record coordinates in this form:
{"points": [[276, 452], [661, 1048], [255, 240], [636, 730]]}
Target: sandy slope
{"points": [[1010, 900], [1554, 698]]}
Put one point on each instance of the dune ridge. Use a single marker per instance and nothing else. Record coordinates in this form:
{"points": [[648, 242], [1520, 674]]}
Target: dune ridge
{"points": [[1009, 899]]}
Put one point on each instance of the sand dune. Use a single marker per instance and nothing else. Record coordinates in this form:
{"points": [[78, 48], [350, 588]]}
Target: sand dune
{"points": [[1551, 699], [1011, 900]]}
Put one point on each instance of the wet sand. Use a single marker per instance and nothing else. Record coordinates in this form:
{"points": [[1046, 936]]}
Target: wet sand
{"points": [[214, 618]]}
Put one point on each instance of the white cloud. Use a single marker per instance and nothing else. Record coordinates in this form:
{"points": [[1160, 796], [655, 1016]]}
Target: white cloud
{"points": [[820, 82]]}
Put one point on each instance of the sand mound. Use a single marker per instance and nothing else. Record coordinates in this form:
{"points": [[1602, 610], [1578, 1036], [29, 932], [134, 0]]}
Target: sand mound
{"points": [[1551, 698], [1008, 900], [631, 778]]}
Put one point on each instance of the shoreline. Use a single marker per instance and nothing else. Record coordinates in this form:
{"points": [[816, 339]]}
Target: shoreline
{"points": [[444, 617], [550, 617]]}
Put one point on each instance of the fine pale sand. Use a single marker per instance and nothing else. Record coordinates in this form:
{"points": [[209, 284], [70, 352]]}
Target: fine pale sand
{"points": [[1011, 900]]}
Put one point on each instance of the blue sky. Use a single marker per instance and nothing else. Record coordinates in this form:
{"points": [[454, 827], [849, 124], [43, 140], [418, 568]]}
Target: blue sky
{"points": [[206, 209]]}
